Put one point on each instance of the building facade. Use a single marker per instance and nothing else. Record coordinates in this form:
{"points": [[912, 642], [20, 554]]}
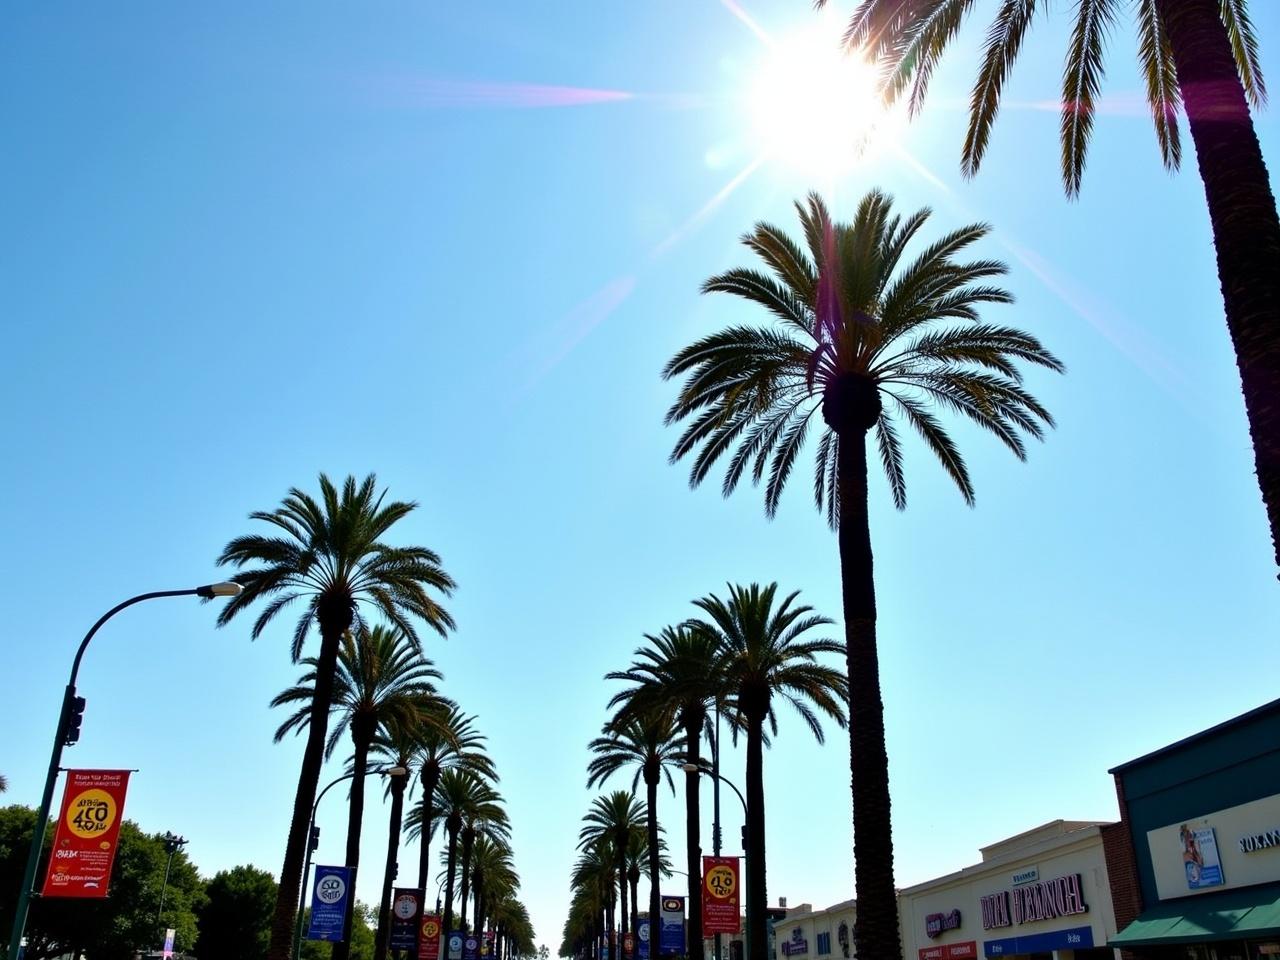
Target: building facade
{"points": [[1198, 874], [1043, 893]]}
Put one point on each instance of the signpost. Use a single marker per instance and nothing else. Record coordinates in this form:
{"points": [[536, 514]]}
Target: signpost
{"points": [[429, 938], [329, 904], [84, 843], [406, 908], [671, 933], [720, 895]]}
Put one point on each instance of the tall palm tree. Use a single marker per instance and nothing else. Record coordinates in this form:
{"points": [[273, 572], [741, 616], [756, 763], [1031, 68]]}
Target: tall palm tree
{"points": [[766, 655], [396, 746], [461, 797], [453, 744], [329, 554], [493, 875], [594, 880], [869, 342], [676, 674], [382, 679], [651, 745], [479, 821], [1201, 55], [615, 817]]}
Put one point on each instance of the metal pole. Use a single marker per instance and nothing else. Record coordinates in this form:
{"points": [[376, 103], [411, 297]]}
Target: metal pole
{"points": [[164, 887], [715, 827], [26, 891]]}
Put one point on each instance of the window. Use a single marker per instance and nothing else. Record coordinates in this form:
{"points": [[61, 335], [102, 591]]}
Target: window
{"points": [[824, 943]]}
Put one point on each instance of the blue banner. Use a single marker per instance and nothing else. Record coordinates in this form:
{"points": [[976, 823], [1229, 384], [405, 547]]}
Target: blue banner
{"points": [[329, 900], [455, 945], [406, 907], [642, 940], [1077, 938], [671, 934], [470, 947]]}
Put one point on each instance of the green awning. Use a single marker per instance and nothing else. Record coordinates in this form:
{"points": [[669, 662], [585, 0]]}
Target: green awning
{"points": [[1232, 915]]}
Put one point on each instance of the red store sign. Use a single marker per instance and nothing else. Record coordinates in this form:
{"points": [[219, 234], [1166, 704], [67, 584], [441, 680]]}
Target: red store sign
{"points": [[951, 951]]}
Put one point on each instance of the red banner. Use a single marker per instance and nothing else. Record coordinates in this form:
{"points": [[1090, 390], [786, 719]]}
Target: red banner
{"points": [[720, 895], [84, 841], [429, 941]]}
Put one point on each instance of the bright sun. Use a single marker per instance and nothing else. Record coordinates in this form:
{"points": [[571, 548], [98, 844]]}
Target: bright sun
{"points": [[814, 108]]}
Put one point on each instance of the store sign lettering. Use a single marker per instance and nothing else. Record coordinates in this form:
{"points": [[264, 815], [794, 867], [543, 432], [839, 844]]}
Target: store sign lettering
{"points": [[1059, 897], [936, 923], [995, 910], [1260, 841]]}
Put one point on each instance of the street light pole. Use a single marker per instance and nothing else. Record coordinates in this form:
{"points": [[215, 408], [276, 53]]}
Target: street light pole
{"points": [[313, 840], [716, 776], [172, 844], [25, 892]]}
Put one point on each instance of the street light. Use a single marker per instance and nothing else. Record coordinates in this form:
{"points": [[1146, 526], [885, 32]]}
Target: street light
{"points": [[67, 734], [172, 844], [718, 778], [313, 841]]}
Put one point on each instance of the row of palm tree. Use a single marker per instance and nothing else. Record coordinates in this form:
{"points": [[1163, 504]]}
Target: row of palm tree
{"points": [[373, 682], [742, 655]]}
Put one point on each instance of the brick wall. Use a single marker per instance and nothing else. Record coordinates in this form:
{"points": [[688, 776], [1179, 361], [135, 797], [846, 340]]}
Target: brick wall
{"points": [[1122, 868]]}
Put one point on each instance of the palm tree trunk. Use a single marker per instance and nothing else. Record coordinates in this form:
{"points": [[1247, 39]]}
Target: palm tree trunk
{"points": [[622, 892], [655, 907], [468, 840], [1242, 210], [477, 898], [430, 777], [334, 620], [448, 883], [875, 928], [633, 875], [361, 735], [757, 890], [398, 785], [692, 829]]}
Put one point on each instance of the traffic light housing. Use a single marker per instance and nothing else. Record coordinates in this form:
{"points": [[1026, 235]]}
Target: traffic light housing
{"points": [[75, 717], [315, 837]]}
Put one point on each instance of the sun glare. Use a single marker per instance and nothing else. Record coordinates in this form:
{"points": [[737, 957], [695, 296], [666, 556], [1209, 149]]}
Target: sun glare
{"points": [[814, 108]]}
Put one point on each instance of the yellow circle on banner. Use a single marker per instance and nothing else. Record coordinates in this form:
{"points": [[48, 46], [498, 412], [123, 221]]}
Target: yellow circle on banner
{"points": [[430, 928], [91, 813], [721, 882]]}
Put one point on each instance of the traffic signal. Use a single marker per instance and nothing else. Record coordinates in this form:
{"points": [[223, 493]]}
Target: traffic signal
{"points": [[315, 838], [75, 717]]}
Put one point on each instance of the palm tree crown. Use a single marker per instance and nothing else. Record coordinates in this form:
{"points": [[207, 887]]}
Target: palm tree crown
{"points": [[863, 338]]}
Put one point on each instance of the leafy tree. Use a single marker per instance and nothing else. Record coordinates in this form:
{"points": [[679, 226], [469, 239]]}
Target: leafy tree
{"points": [[765, 656], [329, 554], [870, 343], [235, 920], [382, 679], [675, 675], [652, 746], [1201, 55], [112, 928]]}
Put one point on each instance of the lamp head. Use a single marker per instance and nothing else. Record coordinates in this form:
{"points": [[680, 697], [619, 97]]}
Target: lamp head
{"points": [[228, 588], [396, 771], [690, 768]]}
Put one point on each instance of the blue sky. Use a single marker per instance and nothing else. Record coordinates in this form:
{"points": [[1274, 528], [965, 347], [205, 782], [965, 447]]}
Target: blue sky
{"points": [[242, 244]]}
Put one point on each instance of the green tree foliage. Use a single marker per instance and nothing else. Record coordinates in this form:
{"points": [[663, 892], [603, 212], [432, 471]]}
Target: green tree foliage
{"points": [[235, 920], [109, 929]]}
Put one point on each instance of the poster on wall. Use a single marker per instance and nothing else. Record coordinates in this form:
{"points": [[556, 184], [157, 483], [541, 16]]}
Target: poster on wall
{"points": [[84, 843], [1200, 857]]}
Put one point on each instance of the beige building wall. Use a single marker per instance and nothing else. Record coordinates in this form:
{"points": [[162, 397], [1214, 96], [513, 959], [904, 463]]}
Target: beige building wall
{"points": [[1009, 871]]}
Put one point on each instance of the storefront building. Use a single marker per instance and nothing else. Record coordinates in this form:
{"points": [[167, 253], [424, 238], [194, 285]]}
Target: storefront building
{"points": [[1041, 895], [1198, 877], [807, 934]]}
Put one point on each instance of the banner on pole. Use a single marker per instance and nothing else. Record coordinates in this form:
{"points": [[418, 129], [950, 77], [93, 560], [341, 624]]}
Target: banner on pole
{"points": [[429, 938], [642, 940], [329, 904], [486, 945], [406, 913], [470, 947], [85, 839], [168, 943], [671, 933], [455, 945], [720, 895]]}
